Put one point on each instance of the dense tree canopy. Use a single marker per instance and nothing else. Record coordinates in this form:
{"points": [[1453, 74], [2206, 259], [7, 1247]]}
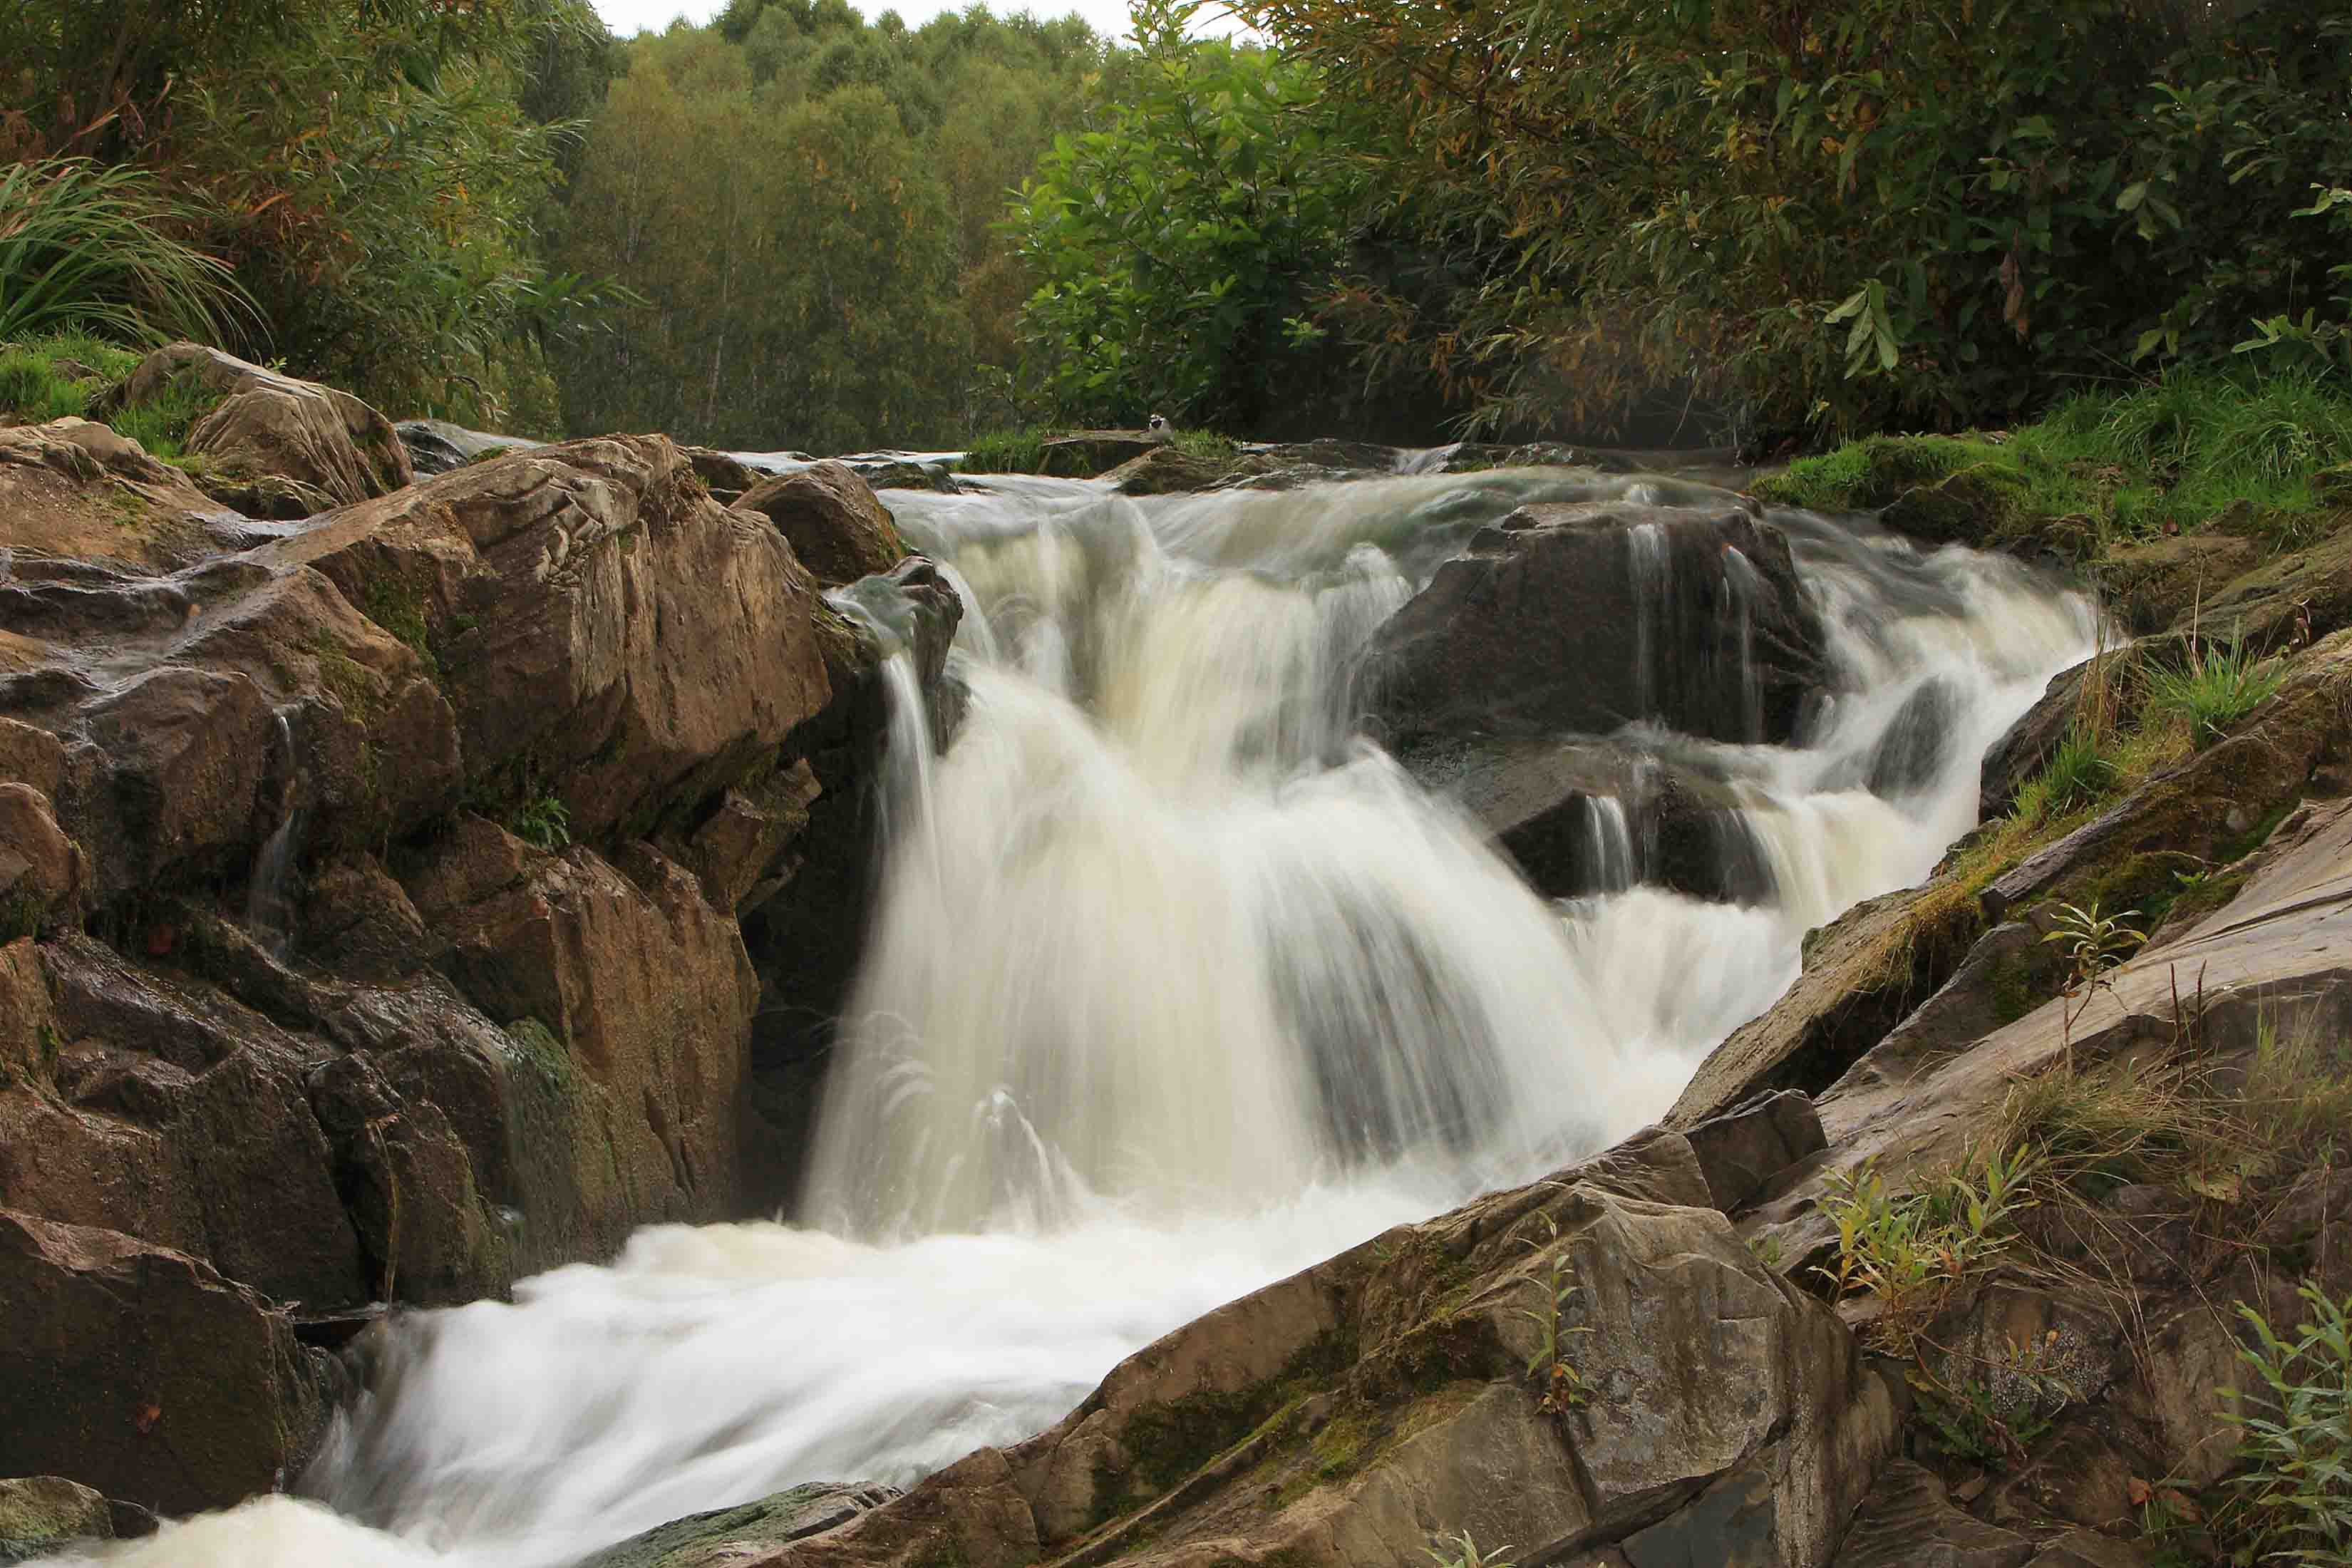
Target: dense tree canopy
{"points": [[808, 205], [1853, 213]]}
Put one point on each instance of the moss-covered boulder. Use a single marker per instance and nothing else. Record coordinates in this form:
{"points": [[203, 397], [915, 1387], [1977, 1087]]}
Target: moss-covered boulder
{"points": [[39, 1514], [283, 445]]}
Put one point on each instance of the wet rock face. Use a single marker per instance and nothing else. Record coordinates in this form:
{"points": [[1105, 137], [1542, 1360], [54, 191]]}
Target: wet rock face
{"points": [[1702, 1411], [833, 522], [142, 1373], [1583, 816], [728, 1536], [1526, 635], [38, 1514], [372, 894]]}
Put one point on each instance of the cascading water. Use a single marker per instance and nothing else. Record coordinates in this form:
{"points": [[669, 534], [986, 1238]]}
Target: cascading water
{"points": [[1176, 987]]}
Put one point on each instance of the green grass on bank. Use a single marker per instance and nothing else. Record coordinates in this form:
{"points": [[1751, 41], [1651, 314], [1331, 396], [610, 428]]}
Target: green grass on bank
{"points": [[43, 379], [1008, 452], [37, 379], [2190, 451], [1026, 451]]}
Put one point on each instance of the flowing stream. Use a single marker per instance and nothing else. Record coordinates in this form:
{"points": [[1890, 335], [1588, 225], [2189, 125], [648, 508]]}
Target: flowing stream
{"points": [[1177, 987]]}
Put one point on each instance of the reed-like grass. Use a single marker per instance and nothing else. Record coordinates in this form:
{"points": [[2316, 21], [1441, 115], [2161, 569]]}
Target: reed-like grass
{"points": [[89, 247]]}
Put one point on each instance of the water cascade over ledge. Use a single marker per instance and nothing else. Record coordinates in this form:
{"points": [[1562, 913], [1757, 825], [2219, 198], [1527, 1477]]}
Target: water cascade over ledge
{"points": [[1177, 984]]}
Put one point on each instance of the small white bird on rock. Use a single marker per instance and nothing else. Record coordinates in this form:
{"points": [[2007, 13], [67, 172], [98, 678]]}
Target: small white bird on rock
{"points": [[1157, 425]]}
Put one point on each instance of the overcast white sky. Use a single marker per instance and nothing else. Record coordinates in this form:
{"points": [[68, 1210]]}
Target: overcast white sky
{"points": [[628, 16]]}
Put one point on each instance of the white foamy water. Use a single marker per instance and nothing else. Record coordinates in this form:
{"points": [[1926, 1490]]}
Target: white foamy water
{"points": [[1176, 987]]}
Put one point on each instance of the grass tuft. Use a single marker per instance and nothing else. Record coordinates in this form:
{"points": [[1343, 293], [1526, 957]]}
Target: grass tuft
{"points": [[2213, 691]]}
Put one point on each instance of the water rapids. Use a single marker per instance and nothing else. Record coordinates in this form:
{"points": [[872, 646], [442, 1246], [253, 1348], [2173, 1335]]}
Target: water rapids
{"points": [[1178, 985]]}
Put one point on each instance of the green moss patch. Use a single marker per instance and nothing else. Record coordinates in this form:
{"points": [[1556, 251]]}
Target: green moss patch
{"points": [[2260, 457]]}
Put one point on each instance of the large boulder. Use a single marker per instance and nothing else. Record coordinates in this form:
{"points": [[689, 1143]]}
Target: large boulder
{"points": [[1585, 616], [144, 1373], [281, 445], [1587, 1366], [598, 623], [835, 524]]}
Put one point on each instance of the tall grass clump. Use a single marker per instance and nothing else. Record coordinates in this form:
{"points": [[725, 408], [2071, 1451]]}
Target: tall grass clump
{"points": [[2215, 690], [86, 247], [2295, 1437]]}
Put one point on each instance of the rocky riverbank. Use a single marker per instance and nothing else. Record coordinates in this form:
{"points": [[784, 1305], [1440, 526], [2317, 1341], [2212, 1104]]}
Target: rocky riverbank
{"points": [[416, 883], [399, 900]]}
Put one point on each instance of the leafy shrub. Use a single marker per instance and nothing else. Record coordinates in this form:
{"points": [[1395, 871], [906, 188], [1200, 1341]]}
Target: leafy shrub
{"points": [[1183, 245], [1842, 217], [2295, 1436], [1908, 1249]]}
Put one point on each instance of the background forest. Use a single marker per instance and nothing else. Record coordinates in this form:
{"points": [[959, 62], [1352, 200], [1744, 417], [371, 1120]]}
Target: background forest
{"points": [[799, 228]]}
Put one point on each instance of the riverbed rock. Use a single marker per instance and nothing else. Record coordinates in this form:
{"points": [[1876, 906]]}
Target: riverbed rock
{"points": [[1172, 470], [142, 1373], [1583, 618], [1580, 816], [39, 1514], [833, 521], [2162, 582], [727, 1536], [1710, 1413], [321, 444]]}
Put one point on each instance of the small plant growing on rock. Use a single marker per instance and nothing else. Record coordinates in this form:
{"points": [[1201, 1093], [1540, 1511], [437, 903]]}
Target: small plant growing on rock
{"points": [[1907, 1250], [1561, 1388], [1459, 1551], [2296, 1437], [1994, 1416], [544, 821], [2094, 944]]}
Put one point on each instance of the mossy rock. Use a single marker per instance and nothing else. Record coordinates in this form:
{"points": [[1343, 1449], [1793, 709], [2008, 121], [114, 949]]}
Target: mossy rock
{"points": [[1867, 474], [1980, 505], [39, 1514], [730, 1535]]}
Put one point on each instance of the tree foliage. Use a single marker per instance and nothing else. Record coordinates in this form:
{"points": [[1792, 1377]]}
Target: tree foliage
{"points": [[807, 205], [370, 169], [1846, 216], [1184, 244]]}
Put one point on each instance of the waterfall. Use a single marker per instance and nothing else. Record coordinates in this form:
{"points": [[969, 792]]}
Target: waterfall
{"points": [[268, 899], [1176, 986]]}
